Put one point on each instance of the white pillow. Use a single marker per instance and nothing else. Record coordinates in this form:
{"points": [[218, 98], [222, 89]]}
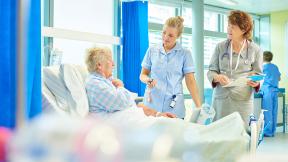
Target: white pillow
{"points": [[52, 83], [74, 82]]}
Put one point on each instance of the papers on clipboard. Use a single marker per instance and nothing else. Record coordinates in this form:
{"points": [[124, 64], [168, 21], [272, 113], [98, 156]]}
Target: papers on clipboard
{"points": [[240, 82], [257, 77]]}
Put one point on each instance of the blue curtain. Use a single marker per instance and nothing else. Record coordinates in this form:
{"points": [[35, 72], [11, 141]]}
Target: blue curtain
{"points": [[33, 69], [135, 42], [7, 61], [8, 45]]}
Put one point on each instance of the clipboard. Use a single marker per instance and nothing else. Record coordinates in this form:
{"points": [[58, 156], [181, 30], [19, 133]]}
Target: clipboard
{"points": [[257, 77]]}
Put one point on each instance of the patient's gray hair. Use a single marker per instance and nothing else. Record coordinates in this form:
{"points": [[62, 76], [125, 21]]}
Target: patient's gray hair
{"points": [[95, 56]]}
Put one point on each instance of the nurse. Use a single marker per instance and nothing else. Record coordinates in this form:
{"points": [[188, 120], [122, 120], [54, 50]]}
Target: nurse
{"points": [[269, 91], [163, 69], [234, 58]]}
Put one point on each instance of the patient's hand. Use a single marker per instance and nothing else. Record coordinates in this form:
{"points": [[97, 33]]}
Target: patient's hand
{"points": [[117, 83], [168, 115]]}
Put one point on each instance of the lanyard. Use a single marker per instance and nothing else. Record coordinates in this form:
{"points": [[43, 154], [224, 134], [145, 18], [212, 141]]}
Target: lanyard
{"points": [[238, 58]]}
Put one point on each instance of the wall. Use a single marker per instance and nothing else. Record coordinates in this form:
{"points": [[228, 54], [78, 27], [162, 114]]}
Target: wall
{"points": [[95, 16], [278, 45]]}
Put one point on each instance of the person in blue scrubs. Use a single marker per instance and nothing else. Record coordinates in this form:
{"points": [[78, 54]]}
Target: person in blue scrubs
{"points": [[269, 91], [163, 69]]}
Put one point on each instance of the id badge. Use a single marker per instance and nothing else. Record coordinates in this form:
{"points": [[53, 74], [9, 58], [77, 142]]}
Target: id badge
{"points": [[173, 102]]}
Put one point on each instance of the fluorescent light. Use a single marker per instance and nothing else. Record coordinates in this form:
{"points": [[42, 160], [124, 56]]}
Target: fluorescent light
{"points": [[229, 2]]}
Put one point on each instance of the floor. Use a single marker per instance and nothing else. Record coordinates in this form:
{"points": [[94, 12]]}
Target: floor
{"points": [[272, 149], [277, 144]]}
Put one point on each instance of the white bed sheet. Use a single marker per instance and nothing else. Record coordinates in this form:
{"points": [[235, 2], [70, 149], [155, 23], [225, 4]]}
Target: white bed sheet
{"points": [[139, 138], [222, 141], [143, 138]]}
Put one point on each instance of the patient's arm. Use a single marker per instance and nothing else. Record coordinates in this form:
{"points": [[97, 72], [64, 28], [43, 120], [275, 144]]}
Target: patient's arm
{"points": [[117, 83], [151, 112], [107, 97]]}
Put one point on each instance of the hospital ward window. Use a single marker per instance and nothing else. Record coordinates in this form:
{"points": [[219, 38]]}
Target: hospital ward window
{"points": [[186, 40], [84, 16], [209, 46], [86, 20], [225, 21], [211, 21], [159, 13], [72, 55], [187, 15], [154, 37]]}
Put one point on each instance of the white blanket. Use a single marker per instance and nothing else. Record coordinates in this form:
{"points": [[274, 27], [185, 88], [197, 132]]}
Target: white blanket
{"points": [[129, 136], [222, 141], [141, 138]]}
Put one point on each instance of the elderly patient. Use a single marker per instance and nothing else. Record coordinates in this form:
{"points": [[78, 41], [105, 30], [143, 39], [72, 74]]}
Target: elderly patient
{"points": [[105, 94]]}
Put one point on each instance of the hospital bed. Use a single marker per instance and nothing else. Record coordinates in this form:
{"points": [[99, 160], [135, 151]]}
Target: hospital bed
{"points": [[141, 138]]}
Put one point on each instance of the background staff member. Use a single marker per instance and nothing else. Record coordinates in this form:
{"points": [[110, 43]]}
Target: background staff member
{"points": [[270, 91], [163, 69], [233, 58]]}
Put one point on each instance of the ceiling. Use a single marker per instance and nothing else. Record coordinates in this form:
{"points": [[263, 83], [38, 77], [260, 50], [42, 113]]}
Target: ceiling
{"points": [[252, 6]]}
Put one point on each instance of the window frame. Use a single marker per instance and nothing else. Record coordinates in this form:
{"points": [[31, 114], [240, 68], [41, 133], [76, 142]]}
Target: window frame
{"points": [[49, 32]]}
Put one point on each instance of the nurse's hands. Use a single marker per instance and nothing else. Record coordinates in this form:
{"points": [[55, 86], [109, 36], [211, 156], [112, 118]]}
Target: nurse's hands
{"points": [[222, 79], [151, 82], [151, 112], [253, 84]]}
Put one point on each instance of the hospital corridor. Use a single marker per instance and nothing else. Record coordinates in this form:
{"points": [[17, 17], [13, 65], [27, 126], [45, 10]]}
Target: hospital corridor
{"points": [[144, 81]]}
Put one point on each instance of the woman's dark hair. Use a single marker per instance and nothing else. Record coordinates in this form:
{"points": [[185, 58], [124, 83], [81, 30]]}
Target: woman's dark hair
{"points": [[267, 56], [243, 20]]}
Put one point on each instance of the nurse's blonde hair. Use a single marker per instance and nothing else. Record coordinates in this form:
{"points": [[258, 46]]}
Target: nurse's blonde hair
{"points": [[175, 22], [96, 56]]}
